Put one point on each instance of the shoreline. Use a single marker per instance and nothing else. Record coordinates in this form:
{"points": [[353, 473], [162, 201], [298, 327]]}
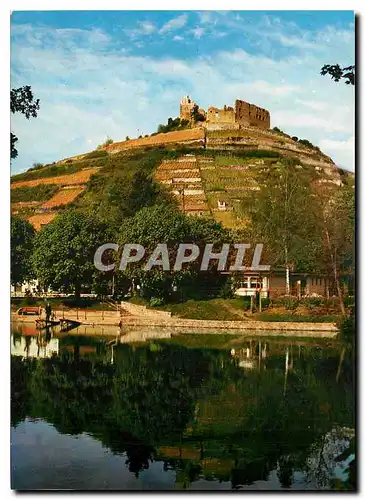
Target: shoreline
{"points": [[97, 319]]}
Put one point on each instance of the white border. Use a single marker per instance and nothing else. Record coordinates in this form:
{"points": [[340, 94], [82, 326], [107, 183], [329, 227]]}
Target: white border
{"points": [[6, 8]]}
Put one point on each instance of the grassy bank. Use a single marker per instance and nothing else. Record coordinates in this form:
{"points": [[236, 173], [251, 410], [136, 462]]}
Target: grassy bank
{"points": [[237, 309]]}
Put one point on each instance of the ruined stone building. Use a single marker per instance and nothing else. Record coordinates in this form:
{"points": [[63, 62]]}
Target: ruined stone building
{"points": [[186, 108], [243, 114]]}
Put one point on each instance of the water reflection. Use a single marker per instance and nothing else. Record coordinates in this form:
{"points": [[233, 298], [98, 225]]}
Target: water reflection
{"points": [[245, 414]]}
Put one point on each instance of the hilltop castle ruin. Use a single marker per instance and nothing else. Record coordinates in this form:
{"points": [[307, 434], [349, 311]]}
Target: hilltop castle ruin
{"points": [[243, 114]]}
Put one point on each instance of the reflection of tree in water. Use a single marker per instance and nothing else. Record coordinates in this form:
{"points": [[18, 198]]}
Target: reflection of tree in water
{"points": [[285, 471], [147, 398], [21, 372]]}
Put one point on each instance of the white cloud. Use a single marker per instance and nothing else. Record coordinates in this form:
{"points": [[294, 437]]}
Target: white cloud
{"points": [[343, 151], [316, 105], [174, 24], [178, 38], [147, 27], [197, 32], [276, 90], [304, 120], [206, 17], [144, 28]]}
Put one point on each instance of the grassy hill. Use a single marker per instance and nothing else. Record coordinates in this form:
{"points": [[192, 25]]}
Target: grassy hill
{"points": [[221, 166]]}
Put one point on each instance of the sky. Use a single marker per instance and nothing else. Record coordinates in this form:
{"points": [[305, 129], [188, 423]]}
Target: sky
{"points": [[118, 74]]}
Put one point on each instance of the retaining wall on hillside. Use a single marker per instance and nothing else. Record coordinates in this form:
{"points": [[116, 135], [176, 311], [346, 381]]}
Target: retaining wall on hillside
{"points": [[184, 136]]}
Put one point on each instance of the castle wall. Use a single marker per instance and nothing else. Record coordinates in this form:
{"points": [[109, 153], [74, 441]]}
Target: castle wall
{"points": [[223, 115], [243, 114], [250, 115]]}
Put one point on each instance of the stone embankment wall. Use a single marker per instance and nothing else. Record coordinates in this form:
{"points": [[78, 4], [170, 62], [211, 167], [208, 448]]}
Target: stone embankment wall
{"points": [[325, 330], [134, 316], [188, 136]]}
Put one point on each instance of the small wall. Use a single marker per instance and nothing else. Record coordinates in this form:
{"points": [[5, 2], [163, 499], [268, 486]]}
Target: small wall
{"points": [[223, 115], [318, 329]]}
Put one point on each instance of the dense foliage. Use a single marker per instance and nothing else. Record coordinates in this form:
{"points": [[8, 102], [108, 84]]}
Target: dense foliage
{"points": [[163, 224], [304, 225], [337, 73], [173, 124], [64, 251], [22, 101], [22, 239]]}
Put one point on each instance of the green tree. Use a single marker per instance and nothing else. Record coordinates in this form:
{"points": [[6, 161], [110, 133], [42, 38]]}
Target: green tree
{"points": [[284, 219], [64, 251], [22, 240], [22, 101], [196, 116], [107, 142], [337, 221], [164, 224], [337, 73]]}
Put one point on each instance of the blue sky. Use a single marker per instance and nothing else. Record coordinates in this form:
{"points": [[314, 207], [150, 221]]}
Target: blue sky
{"points": [[114, 74]]}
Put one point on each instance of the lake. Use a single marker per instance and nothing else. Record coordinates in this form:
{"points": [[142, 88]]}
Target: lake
{"points": [[198, 412]]}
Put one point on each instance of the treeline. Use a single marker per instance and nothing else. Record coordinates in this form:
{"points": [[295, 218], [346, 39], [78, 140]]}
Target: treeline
{"points": [[304, 142], [172, 124], [305, 226]]}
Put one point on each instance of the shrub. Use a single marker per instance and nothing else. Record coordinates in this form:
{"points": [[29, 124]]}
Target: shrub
{"points": [[290, 303], [265, 303], [173, 124], [156, 301], [245, 303], [347, 327], [313, 302], [37, 166], [307, 143], [227, 290], [349, 301], [95, 154], [107, 141]]}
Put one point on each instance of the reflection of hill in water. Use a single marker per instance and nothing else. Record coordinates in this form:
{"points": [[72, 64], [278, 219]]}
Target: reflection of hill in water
{"points": [[196, 409]]}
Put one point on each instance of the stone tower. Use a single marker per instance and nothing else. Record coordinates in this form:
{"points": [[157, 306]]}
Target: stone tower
{"points": [[186, 107]]}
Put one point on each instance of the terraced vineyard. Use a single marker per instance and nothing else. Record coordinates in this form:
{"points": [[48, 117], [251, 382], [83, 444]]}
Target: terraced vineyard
{"points": [[217, 185], [40, 220], [80, 177], [210, 173], [63, 197]]}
